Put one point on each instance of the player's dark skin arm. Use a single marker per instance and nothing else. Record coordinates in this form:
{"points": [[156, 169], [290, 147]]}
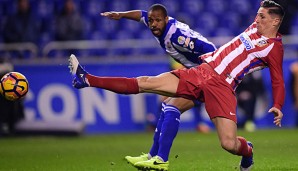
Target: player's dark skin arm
{"points": [[132, 15]]}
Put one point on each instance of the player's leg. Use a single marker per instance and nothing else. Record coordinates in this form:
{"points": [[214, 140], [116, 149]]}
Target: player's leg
{"points": [[165, 133], [171, 108], [155, 146], [171, 122], [163, 84], [227, 133], [166, 129], [220, 103]]}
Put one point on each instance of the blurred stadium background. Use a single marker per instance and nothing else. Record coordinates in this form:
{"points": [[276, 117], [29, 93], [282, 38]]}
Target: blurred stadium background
{"points": [[121, 48]]}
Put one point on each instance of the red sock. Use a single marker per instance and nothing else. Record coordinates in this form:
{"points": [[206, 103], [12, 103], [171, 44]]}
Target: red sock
{"points": [[244, 149], [120, 85]]}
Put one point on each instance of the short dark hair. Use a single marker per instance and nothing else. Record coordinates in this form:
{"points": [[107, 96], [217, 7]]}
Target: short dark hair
{"points": [[159, 7], [274, 8]]}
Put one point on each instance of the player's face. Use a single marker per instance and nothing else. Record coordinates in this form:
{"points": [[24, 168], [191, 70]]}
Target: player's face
{"points": [[157, 22], [265, 22]]}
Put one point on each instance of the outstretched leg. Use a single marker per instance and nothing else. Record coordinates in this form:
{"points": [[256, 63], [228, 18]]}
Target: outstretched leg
{"points": [[163, 84]]}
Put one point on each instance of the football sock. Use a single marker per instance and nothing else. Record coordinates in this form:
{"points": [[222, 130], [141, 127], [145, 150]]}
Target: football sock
{"points": [[155, 145], [169, 131], [120, 85], [244, 149]]}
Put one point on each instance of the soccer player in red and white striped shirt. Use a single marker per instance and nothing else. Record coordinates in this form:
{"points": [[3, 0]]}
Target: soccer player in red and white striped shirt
{"points": [[214, 82]]}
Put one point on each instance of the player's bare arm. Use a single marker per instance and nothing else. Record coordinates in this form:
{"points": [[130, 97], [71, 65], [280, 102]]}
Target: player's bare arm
{"points": [[277, 116], [132, 15]]}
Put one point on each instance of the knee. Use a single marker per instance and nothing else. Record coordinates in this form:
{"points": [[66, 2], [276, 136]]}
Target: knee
{"points": [[229, 145], [181, 104], [173, 103]]}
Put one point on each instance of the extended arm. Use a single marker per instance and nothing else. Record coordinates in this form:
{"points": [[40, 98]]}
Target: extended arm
{"points": [[278, 86], [132, 15]]}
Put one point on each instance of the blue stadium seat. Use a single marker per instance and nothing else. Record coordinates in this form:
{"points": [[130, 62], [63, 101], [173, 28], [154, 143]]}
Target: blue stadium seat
{"points": [[207, 21], [119, 5], [217, 7], [230, 20], [142, 5], [121, 35], [130, 26], [97, 35], [223, 31], [124, 34], [88, 27], [172, 7], [93, 7], [192, 7], [108, 27], [144, 33], [45, 8], [45, 38], [242, 7]]}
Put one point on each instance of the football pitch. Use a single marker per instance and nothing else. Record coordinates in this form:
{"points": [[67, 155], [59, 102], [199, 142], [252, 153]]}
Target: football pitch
{"points": [[275, 150]]}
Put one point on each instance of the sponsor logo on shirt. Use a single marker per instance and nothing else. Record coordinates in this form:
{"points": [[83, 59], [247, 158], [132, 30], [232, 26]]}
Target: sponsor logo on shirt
{"points": [[191, 45], [246, 41], [181, 40], [186, 42], [262, 43]]}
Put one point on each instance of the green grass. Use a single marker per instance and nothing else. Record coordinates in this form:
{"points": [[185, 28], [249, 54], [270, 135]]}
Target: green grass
{"points": [[275, 150]]}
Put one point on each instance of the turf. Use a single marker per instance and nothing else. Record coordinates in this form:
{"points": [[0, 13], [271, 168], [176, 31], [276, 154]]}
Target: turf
{"points": [[275, 150]]}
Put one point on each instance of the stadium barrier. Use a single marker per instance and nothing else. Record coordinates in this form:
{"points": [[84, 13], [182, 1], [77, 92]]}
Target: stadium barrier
{"points": [[40, 53]]}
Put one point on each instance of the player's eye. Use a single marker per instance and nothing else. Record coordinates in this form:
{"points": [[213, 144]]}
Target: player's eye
{"points": [[262, 16]]}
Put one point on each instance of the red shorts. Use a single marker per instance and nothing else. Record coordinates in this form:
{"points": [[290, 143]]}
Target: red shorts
{"points": [[204, 84]]}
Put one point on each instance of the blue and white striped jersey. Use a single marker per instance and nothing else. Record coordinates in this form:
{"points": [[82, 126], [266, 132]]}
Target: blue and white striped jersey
{"points": [[182, 43]]}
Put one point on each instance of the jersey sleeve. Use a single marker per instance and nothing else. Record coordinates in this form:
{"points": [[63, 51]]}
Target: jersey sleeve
{"points": [[203, 46], [144, 18], [276, 74]]}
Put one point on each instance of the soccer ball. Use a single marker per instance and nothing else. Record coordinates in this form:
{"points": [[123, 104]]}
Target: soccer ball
{"points": [[13, 86]]}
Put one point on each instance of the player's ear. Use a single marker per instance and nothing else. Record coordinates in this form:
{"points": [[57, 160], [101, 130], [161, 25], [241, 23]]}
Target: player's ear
{"points": [[167, 19], [277, 21]]}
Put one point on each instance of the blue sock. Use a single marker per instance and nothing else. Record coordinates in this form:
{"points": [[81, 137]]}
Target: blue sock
{"points": [[169, 131], [155, 145]]}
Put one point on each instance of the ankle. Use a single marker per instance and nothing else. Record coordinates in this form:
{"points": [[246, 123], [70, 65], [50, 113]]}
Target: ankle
{"points": [[149, 156], [160, 158]]}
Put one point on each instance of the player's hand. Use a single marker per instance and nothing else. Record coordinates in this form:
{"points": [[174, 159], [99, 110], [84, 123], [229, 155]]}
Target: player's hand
{"points": [[277, 116], [111, 15]]}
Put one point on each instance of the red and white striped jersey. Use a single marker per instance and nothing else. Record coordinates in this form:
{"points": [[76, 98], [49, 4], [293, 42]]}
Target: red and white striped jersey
{"points": [[249, 52]]}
